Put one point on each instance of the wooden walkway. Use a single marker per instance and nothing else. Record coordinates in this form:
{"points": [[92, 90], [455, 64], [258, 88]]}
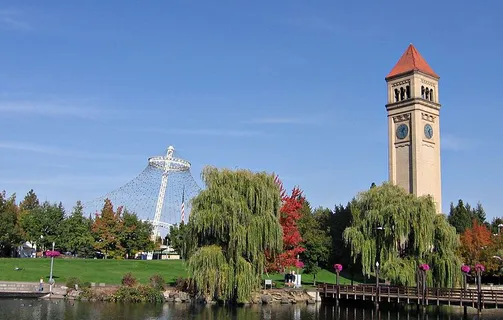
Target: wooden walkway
{"points": [[398, 294]]}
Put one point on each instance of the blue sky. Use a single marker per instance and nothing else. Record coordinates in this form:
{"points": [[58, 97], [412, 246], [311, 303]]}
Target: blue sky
{"points": [[90, 89]]}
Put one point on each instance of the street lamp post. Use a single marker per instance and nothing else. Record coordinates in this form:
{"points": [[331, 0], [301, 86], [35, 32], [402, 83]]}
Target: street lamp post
{"points": [[378, 259], [378, 253], [51, 280], [41, 247], [377, 275]]}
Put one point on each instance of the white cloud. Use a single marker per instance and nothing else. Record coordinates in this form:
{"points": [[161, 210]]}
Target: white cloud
{"points": [[216, 132], [454, 143], [68, 180], [13, 20], [287, 120], [42, 149], [203, 132], [281, 120], [29, 148], [49, 109]]}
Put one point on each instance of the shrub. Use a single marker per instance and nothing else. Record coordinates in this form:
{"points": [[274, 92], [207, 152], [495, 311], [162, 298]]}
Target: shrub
{"points": [[72, 281], [129, 280], [85, 285], [182, 284], [185, 285], [157, 282], [141, 293]]}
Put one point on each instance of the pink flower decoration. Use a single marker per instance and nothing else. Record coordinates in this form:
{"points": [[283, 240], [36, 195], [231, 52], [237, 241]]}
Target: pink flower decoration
{"points": [[50, 253], [299, 264], [480, 267], [338, 267], [424, 267], [465, 268]]}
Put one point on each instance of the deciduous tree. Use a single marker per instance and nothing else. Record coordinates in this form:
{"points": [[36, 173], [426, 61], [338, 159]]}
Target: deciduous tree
{"points": [[232, 223], [135, 235], [10, 235], [316, 239], [475, 241], [42, 224], [495, 225], [290, 213], [107, 228], [76, 234], [411, 233]]}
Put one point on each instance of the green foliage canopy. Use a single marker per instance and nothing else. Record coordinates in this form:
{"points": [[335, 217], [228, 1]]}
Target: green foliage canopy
{"points": [[10, 234], [44, 220], [176, 238], [76, 233], [233, 222], [411, 233], [316, 238]]}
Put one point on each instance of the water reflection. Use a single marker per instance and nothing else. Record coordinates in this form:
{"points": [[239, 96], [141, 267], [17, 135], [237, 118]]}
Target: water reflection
{"points": [[57, 309]]}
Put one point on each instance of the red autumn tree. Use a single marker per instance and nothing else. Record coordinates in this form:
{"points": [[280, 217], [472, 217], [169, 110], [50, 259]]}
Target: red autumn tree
{"points": [[290, 213], [475, 242]]}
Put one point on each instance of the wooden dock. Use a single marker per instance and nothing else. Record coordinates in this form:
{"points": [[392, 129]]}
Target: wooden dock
{"points": [[476, 298]]}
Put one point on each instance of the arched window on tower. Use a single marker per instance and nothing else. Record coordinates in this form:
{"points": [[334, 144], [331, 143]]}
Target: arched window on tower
{"points": [[422, 92], [407, 91], [397, 95], [431, 94], [427, 94], [402, 94]]}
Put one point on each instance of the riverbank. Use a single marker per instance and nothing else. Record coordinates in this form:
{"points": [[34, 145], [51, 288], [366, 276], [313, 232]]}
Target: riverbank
{"points": [[171, 294], [102, 292]]}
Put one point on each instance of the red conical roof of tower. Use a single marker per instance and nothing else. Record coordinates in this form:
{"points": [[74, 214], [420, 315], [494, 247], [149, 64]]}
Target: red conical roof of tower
{"points": [[411, 60]]}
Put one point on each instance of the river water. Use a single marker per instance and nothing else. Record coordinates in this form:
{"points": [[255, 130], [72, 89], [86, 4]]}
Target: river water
{"points": [[75, 310]]}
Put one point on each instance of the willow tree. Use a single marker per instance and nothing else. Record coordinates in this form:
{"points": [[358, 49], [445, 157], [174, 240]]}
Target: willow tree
{"points": [[402, 231], [233, 222]]}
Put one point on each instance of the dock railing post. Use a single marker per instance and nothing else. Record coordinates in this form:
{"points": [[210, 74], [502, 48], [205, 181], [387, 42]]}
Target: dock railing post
{"points": [[479, 290]]}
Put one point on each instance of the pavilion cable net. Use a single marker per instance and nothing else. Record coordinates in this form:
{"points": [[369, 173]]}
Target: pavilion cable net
{"points": [[161, 194]]}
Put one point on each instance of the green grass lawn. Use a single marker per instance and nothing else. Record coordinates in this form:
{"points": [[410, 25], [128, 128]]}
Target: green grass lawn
{"points": [[112, 271], [90, 270], [307, 279]]}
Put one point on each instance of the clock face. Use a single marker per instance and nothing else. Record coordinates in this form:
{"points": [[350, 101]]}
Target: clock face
{"points": [[428, 131], [402, 131]]}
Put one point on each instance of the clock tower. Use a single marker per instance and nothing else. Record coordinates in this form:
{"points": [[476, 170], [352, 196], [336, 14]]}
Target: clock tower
{"points": [[414, 127]]}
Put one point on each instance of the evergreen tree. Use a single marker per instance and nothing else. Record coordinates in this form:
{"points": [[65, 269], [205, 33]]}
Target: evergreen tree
{"points": [[479, 213], [29, 202], [461, 215], [340, 220]]}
